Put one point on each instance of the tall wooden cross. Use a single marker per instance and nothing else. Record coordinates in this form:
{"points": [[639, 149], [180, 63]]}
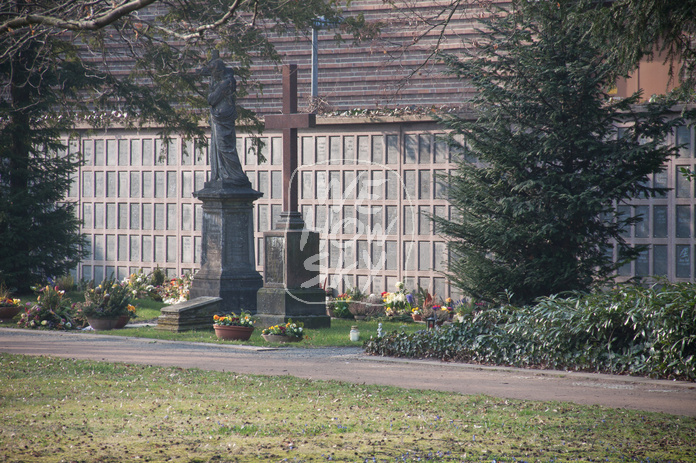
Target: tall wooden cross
{"points": [[289, 122]]}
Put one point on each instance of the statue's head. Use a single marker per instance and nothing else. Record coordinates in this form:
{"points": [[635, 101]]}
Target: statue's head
{"points": [[219, 71], [217, 68]]}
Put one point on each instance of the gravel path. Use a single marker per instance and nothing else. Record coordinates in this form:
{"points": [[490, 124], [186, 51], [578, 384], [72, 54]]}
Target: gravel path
{"points": [[352, 365]]}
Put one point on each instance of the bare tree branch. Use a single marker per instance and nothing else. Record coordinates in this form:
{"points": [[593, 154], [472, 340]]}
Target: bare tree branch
{"points": [[202, 29], [101, 21]]}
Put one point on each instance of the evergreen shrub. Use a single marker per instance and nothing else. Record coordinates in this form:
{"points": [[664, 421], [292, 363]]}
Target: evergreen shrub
{"points": [[627, 330]]}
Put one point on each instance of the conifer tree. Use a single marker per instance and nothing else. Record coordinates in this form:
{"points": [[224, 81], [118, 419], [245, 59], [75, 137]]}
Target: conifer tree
{"points": [[536, 208], [39, 230]]}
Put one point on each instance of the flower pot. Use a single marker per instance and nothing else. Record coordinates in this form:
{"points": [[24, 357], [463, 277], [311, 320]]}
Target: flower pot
{"points": [[122, 321], [102, 324], [416, 317], [280, 338], [7, 312], [232, 333]]}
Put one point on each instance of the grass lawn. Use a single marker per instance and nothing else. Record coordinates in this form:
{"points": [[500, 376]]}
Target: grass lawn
{"points": [[70, 410], [337, 335]]}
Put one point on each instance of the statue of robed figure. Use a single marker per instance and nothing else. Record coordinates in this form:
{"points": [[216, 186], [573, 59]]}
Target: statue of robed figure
{"points": [[224, 159], [228, 259]]}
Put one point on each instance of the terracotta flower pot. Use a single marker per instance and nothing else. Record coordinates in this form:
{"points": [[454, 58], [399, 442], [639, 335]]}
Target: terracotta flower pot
{"points": [[280, 338], [231, 333], [102, 324], [122, 321], [416, 317], [7, 312]]}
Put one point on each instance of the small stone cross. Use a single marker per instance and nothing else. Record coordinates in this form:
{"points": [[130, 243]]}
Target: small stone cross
{"points": [[289, 122]]}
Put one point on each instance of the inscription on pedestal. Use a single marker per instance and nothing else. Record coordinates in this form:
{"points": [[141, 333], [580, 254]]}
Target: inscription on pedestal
{"points": [[213, 235], [237, 240], [275, 259]]}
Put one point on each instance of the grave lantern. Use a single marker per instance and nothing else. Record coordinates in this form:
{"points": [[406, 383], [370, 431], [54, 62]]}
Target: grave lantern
{"points": [[430, 321], [354, 334]]}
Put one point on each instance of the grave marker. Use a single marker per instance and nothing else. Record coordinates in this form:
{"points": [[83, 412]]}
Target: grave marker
{"points": [[291, 264]]}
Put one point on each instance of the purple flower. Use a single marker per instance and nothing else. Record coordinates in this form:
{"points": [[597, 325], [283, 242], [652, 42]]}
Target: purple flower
{"points": [[409, 298]]}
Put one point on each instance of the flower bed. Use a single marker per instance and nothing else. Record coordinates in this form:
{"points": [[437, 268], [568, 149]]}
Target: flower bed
{"points": [[176, 290], [139, 284], [398, 302], [52, 311]]}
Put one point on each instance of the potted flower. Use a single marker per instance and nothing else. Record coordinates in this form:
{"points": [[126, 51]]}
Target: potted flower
{"points": [[338, 307], [232, 327], [290, 332], [107, 305], [417, 314], [124, 319], [9, 307]]}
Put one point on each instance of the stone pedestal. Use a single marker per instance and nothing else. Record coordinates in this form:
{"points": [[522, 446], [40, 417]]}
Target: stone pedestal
{"points": [[228, 269], [291, 276]]}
